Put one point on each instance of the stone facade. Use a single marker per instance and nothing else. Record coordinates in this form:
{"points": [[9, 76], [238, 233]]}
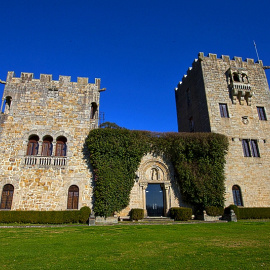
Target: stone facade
{"points": [[154, 170], [231, 97], [40, 113]]}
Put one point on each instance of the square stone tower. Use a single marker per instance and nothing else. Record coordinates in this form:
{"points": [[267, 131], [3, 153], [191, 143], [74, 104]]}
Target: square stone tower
{"points": [[231, 97], [43, 126]]}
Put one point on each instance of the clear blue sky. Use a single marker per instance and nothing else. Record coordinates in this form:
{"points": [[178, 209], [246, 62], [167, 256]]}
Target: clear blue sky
{"points": [[139, 48]]}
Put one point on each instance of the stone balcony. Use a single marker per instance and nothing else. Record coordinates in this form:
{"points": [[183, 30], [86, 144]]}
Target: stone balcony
{"points": [[45, 162], [241, 91]]}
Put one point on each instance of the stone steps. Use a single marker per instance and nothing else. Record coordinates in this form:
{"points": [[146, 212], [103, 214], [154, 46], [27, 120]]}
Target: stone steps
{"points": [[157, 219]]}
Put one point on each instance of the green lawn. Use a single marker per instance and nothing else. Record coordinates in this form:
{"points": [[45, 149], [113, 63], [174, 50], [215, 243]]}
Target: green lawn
{"points": [[241, 245]]}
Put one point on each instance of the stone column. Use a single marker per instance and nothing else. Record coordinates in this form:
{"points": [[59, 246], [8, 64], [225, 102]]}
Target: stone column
{"points": [[3, 100], [144, 187], [167, 188]]}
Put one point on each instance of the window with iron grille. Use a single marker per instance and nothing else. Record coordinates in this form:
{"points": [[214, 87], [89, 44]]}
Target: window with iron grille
{"points": [[237, 197], [261, 113], [7, 196], [223, 110]]}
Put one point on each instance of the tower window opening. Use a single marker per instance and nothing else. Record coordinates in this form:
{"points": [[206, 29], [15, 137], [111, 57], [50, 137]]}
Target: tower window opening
{"points": [[93, 110]]}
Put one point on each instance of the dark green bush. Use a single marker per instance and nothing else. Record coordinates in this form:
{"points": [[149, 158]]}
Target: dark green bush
{"points": [[233, 207], [181, 213], [85, 212], [214, 211], [254, 212], [136, 214], [45, 217]]}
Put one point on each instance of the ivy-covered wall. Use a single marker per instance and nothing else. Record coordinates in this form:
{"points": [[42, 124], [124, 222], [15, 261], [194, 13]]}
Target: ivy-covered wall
{"points": [[115, 154]]}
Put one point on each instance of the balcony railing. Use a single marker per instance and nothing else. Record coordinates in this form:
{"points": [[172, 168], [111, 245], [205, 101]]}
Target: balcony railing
{"points": [[42, 161], [241, 86]]}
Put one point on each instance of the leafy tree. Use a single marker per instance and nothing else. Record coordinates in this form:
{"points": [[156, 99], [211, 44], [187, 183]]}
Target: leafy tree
{"points": [[109, 125]]}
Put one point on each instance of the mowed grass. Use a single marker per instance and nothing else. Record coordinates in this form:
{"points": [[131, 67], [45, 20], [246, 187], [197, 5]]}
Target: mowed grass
{"points": [[241, 245]]}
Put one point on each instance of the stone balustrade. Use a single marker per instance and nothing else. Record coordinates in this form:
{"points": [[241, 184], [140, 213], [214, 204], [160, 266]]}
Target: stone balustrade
{"points": [[41, 161]]}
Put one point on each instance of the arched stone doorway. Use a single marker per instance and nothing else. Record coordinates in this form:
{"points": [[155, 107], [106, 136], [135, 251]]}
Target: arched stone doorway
{"points": [[154, 179]]}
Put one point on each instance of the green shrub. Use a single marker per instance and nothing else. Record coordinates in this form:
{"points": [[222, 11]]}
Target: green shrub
{"points": [[45, 217], [254, 212], [214, 211], [233, 207], [85, 212], [181, 213], [136, 214]]}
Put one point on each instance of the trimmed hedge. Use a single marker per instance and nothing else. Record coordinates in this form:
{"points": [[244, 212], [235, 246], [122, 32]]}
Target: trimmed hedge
{"points": [[181, 213], [254, 212], [214, 211], [249, 212], [136, 214], [46, 217]]}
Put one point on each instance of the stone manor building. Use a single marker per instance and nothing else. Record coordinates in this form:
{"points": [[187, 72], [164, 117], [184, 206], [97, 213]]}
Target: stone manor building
{"points": [[231, 97], [44, 124]]}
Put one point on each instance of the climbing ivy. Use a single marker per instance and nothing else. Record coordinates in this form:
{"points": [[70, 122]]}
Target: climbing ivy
{"points": [[115, 154]]}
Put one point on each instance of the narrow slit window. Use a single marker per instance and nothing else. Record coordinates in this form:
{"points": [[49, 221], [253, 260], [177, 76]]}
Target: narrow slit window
{"points": [[93, 110], [237, 197]]}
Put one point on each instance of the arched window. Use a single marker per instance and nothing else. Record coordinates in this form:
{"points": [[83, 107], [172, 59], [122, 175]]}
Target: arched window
{"points": [[32, 146], [93, 110], [7, 196], [73, 197], [236, 77], [237, 197], [47, 146], [61, 146], [8, 104]]}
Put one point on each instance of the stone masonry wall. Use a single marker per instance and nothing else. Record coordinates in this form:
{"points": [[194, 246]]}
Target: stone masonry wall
{"points": [[45, 107]]}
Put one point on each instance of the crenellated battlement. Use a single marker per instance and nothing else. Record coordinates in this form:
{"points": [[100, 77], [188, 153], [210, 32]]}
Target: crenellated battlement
{"points": [[47, 79], [226, 58], [235, 61]]}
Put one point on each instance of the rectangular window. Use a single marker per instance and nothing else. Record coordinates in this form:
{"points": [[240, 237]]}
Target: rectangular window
{"points": [[254, 148], [261, 113], [250, 148], [246, 148], [223, 110]]}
